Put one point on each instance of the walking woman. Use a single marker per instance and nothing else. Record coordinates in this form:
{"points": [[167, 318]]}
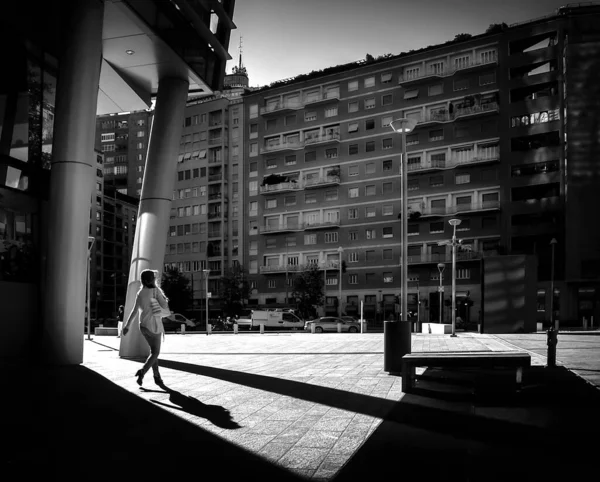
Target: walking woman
{"points": [[150, 322]]}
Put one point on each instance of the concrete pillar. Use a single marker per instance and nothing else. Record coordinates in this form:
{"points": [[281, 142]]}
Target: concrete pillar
{"points": [[155, 201], [71, 183]]}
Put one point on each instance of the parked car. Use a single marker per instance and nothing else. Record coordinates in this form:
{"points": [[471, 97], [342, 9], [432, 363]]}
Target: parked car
{"points": [[349, 318], [174, 321], [330, 323]]}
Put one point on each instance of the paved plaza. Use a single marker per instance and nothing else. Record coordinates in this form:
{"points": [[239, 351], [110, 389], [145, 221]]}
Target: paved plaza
{"points": [[299, 406]]}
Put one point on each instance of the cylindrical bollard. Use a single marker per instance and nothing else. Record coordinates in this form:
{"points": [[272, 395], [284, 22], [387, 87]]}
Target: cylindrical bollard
{"points": [[584, 323], [552, 340], [183, 328], [363, 326], [208, 328], [396, 344], [119, 329], [312, 327], [339, 327], [235, 328], [262, 328]]}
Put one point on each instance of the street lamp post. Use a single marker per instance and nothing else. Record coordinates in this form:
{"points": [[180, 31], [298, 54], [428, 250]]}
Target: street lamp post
{"points": [[206, 272], [91, 241], [454, 223], [552, 333], [403, 126], [340, 251], [441, 267]]}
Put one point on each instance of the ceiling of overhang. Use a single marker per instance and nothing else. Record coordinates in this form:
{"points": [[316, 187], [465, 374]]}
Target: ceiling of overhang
{"points": [[128, 81]]}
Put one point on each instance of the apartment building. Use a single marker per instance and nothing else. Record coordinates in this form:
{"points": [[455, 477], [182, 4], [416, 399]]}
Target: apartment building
{"points": [[123, 138], [323, 184], [205, 228]]}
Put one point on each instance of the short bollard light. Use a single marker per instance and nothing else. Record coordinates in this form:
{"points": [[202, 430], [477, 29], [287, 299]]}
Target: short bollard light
{"points": [[339, 327], [312, 327], [262, 328], [208, 328], [235, 328], [183, 328]]}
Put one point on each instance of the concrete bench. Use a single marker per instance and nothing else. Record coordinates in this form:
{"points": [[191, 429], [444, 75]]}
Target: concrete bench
{"points": [[512, 359], [106, 331]]}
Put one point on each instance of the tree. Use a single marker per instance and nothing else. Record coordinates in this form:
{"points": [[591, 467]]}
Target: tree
{"points": [[177, 289], [308, 291], [496, 28], [233, 290], [369, 58], [462, 36]]}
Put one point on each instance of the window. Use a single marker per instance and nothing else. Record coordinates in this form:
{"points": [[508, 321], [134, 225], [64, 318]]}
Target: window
{"points": [[387, 188], [290, 160], [388, 277], [388, 254], [352, 85], [411, 73], [141, 133], [352, 235], [386, 120], [310, 198], [370, 212], [271, 163], [436, 135], [290, 200], [387, 99], [331, 111], [369, 82], [331, 153], [462, 62], [107, 137], [352, 106], [370, 190], [331, 195], [352, 213], [463, 273], [353, 192], [310, 116], [461, 84], [461, 130], [353, 279], [369, 124], [370, 146], [370, 255], [387, 165], [331, 237], [353, 170], [464, 226], [436, 89], [370, 168], [488, 56], [271, 203], [253, 149], [435, 181], [386, 77], [486, 79], [462, 179], [437, 227], [370, 234], [352, 149], [353, 127], [370, 103], [387, 210], [388, 232], [413, 184], [411, 94], [353, 257], [253, 188], [310, 239], [412, 139], [387, 143], [253, 111], [139, 145]]}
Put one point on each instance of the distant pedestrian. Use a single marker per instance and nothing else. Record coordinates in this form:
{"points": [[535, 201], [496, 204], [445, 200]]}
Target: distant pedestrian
{"points": [[121, 313], [150, 322]]}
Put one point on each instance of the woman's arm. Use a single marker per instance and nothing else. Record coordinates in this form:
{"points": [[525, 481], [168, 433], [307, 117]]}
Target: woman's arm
{"points": [[132, 314], [162, 299]]}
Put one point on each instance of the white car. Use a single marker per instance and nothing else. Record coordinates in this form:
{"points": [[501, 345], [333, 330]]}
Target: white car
{"points": [[330, 323]]}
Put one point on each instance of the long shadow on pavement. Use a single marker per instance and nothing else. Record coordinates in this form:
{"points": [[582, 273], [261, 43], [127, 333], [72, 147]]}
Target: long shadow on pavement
{"points": [[72, 423], [481, 443]]}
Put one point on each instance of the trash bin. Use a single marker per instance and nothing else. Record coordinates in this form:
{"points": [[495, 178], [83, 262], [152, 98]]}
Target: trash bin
{"points": [[396, 344]]}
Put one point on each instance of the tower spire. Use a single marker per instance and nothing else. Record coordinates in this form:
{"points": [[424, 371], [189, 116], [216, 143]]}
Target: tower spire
{"points": [[240, 66]]}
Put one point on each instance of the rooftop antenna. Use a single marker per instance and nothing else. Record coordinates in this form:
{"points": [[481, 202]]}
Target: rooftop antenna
{"points": [[240, 48]]}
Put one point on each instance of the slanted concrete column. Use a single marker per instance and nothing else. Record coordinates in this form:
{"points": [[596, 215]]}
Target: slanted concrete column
{"points": [[71, 183], [155, 201]]}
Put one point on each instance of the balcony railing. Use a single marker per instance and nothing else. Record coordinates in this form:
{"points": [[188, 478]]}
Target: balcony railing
{"points": [[282, 146], [450, 163], [286, 105], [323, 139], [215, 140], [441, 117], [279, 228], [215, 177], [321, 181], [215, 215], [215, 160], [460, 208], [298, 267], [444, 257], [320, 224], [281, 187], [445, 72], [215, 196]]}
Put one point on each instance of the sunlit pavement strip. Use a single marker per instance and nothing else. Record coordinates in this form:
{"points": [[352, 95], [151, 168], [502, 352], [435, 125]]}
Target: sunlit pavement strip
{"points": [[296, 432]]}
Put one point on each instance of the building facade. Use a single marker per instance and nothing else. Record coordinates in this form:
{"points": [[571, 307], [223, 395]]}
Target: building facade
{"points": [[489, 148]]}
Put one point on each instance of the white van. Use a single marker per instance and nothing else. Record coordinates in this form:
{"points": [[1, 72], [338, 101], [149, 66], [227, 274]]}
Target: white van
{"points": [[276, 320]]}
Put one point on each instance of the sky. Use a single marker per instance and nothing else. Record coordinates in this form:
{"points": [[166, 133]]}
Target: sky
{"points": [[285, 38]]}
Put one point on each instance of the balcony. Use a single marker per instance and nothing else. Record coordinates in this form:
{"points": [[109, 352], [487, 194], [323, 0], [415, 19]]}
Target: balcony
{"points": [[215, 196], [215, 160], [214, 233], [215, 177], [315, 182], [280, 107], [431, 165], [444, 73], [320, 224], [456, 162], [280, 268], [460, 208], [279, 228], [435, 165], [444, 257], [322, 98], [282, 146], [215, 141], [461, 112], [323, 139], [215, 215], [281, 187]]}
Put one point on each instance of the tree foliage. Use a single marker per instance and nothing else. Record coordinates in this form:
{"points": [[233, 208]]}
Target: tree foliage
{"points": [[462, 36], [177, 289], [233, 290], [496, 28], [308, 291]]}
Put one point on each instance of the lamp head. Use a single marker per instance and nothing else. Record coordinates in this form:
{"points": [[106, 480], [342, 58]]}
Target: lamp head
{"points": [[454, 222], [553, 241], [340, 250], [403, 125], [441, 267]]}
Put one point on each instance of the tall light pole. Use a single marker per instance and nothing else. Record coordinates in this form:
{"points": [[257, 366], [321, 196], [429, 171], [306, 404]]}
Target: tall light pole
{"points": [[454, 223], [91, 241], [441, 267], [552, 334], [206, 272], [340, 250], [403, 126]]}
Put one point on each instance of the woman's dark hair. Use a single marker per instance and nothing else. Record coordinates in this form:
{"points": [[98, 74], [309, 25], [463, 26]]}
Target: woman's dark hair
{"points": [[147, 277]]}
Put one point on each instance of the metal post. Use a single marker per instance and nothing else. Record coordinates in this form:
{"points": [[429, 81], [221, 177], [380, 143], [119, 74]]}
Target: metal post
{"points": [[552, 334], [454, 282], [91, 241], [340, 250], [404, 232], [206, 273], [418, 307], [441, 267]]}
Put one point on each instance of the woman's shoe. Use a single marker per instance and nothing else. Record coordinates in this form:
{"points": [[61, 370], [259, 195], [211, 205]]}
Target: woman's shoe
{"points": [[158, 381], [140, 377]]}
